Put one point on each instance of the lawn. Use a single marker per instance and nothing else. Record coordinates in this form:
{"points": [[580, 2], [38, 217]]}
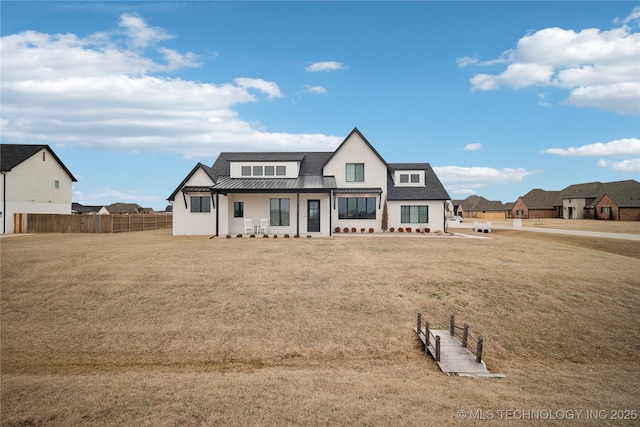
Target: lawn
{"points": [[148, 329]]}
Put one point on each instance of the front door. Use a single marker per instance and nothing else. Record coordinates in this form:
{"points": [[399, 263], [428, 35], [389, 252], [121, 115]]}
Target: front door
{"points": [[313, 215]]}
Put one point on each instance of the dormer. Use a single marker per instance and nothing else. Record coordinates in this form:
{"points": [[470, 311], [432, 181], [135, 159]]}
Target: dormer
{"points": [[409, 178], [266, 166]]}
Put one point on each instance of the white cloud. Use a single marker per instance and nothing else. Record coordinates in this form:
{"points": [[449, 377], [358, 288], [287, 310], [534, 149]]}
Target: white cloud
{"points": [[314, 89], [599, 68], [619, 147], [473, 147], [325, 66], [103, 91], [625, 166], [468, 179]]}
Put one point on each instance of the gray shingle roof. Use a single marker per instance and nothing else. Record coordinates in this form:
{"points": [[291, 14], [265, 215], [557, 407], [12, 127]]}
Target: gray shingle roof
{"points": [[623, 193], [479, 203], [542, 199], [433, 189], [11, 155]]}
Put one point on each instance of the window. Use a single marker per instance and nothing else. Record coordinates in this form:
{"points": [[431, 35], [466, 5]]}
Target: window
{"points": [[404, 178], [414, 214], [56, 184], [605, 209], [281, 170], [356, 208], [246, 171], [355, 172], [257, 171], [200, 204], [415, 178], [268, 170], [519, 212], [238, 209], [279, 212]]}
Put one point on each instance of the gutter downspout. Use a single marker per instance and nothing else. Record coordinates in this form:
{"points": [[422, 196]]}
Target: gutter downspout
{"points": [[217, 214], [4, 202]]}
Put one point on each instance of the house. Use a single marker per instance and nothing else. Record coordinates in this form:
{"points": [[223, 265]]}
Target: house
{"points": [[34, 180], [538, 204], [310, 193], [78, 208], [125, 209], [619, 200], [480, 208]]}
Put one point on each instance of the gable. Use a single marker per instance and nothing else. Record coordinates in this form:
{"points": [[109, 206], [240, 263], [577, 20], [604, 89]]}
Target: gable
{"points": [[12, 155]]}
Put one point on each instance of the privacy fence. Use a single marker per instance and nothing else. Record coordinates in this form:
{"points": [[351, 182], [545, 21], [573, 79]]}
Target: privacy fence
{"points": [[56, 223]]}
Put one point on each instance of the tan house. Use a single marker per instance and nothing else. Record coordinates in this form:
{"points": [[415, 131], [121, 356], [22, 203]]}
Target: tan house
{"points": [[480, 208]]}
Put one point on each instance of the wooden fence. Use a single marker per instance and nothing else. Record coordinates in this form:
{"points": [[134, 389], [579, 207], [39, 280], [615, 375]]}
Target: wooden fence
{"points": [[462, 332], [86, 223]]}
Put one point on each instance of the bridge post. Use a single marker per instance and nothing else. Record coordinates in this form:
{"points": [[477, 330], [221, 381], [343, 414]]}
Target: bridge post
{"points": [[465, 335], [426, 333], [479, 351], [452, 324], [437, 348], [419, 324]]}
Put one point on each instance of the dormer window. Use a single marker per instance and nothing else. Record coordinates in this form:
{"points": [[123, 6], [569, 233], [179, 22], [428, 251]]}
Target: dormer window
{"points": [[404, 178], [281, 170], [415, 178], [246, 171], [257, 171], [268, 170]]}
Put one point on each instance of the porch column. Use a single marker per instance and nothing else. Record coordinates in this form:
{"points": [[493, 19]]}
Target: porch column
{"points": [[297, 213]]}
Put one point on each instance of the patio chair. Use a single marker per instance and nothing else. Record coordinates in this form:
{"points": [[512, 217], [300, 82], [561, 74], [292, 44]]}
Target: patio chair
{"points": [[264, 223], [248, 226]]}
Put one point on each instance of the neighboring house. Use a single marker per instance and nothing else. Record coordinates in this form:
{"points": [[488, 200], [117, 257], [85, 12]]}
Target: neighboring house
{"points": [[78, 208], [310, 193], [619, 200], [480, 208], [125, 208], [537, 204], [34, 180]]}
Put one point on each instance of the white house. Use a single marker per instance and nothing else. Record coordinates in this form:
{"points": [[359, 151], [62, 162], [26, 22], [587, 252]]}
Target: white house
{"points": [[307, 193], [34, 180]]}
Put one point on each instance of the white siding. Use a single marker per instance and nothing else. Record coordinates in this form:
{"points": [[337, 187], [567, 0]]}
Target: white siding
{"points": [[30, 188], [436, 214], [186, 222]]}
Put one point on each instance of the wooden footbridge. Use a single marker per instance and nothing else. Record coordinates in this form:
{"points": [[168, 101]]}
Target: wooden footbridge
{"points": [[453, 357]]}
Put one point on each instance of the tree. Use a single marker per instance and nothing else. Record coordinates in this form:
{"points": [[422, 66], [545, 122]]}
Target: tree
{"points": [[385, 217]]}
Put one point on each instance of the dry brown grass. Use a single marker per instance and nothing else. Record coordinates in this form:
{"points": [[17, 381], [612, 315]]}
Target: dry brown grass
{"points": [[148, 329]]}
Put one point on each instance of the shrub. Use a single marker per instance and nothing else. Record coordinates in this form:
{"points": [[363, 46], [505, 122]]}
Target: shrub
{"points": [[353, 229], [252, 236], [362, 230], [400, 230], [346, 229], [417, 230], [275, 236], [296, 236], [239, 235], [264, 236], [370, 229], [228, 236], [427, 230], [408, 229], [391, 230], [308, 236], [286, 236], [337, 230]]}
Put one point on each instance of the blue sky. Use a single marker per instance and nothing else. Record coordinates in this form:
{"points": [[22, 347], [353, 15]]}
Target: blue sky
{"points": [[499, 97]]}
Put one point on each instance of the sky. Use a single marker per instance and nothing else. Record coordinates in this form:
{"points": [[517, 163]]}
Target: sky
{"points": [[499, 97]]}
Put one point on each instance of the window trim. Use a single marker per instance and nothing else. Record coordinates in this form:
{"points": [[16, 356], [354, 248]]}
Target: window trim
{"points": [[269, 170], [350, 208], [238, 209], [245, 170], [200, 205], [357, 175], [420, 217], [404, 178], [280, 216], [281, 170], [415, 178]]}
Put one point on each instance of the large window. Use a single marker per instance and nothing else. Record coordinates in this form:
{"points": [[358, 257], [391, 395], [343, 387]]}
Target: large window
{"points": [[200, 204], [356, 208], [279, 212], [414, 214], [238, 209], [355, 172]]}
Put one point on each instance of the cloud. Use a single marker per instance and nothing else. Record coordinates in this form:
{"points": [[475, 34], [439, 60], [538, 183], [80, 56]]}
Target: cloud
{"points": [[468, 179], [110, 90], [473, 147], [325, 66], [619, 147], [314, 89], [599, 68]]}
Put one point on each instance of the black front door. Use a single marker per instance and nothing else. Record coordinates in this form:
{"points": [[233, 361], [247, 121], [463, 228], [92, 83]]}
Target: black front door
{"points": [[313, 215]]}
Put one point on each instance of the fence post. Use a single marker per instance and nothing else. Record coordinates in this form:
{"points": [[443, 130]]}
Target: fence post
{"points": [[452, 324], [418, 325], [479, 351], [465, 334], [437, 348], [426, 333]]}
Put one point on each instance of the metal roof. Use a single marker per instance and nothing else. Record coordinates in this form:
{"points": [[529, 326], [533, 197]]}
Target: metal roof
{"points": [[303, 182]]}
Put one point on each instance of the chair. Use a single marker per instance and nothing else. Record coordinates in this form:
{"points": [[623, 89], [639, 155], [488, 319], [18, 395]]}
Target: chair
{"points": [[248, 226], [264, 223]]}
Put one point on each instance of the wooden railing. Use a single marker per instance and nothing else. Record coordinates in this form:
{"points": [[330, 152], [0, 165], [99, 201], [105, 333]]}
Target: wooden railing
{"points": [[462, 332], [427, 337]]}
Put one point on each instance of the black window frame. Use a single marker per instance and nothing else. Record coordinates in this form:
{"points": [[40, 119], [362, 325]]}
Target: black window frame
{"points": [[404, 178], [200, 204], [406, 212], [269, 171], [278, 215], [238, 209], [357, 208], [245, 170], [358, 172], [415, 178], [281, 170], [256, 170]]}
